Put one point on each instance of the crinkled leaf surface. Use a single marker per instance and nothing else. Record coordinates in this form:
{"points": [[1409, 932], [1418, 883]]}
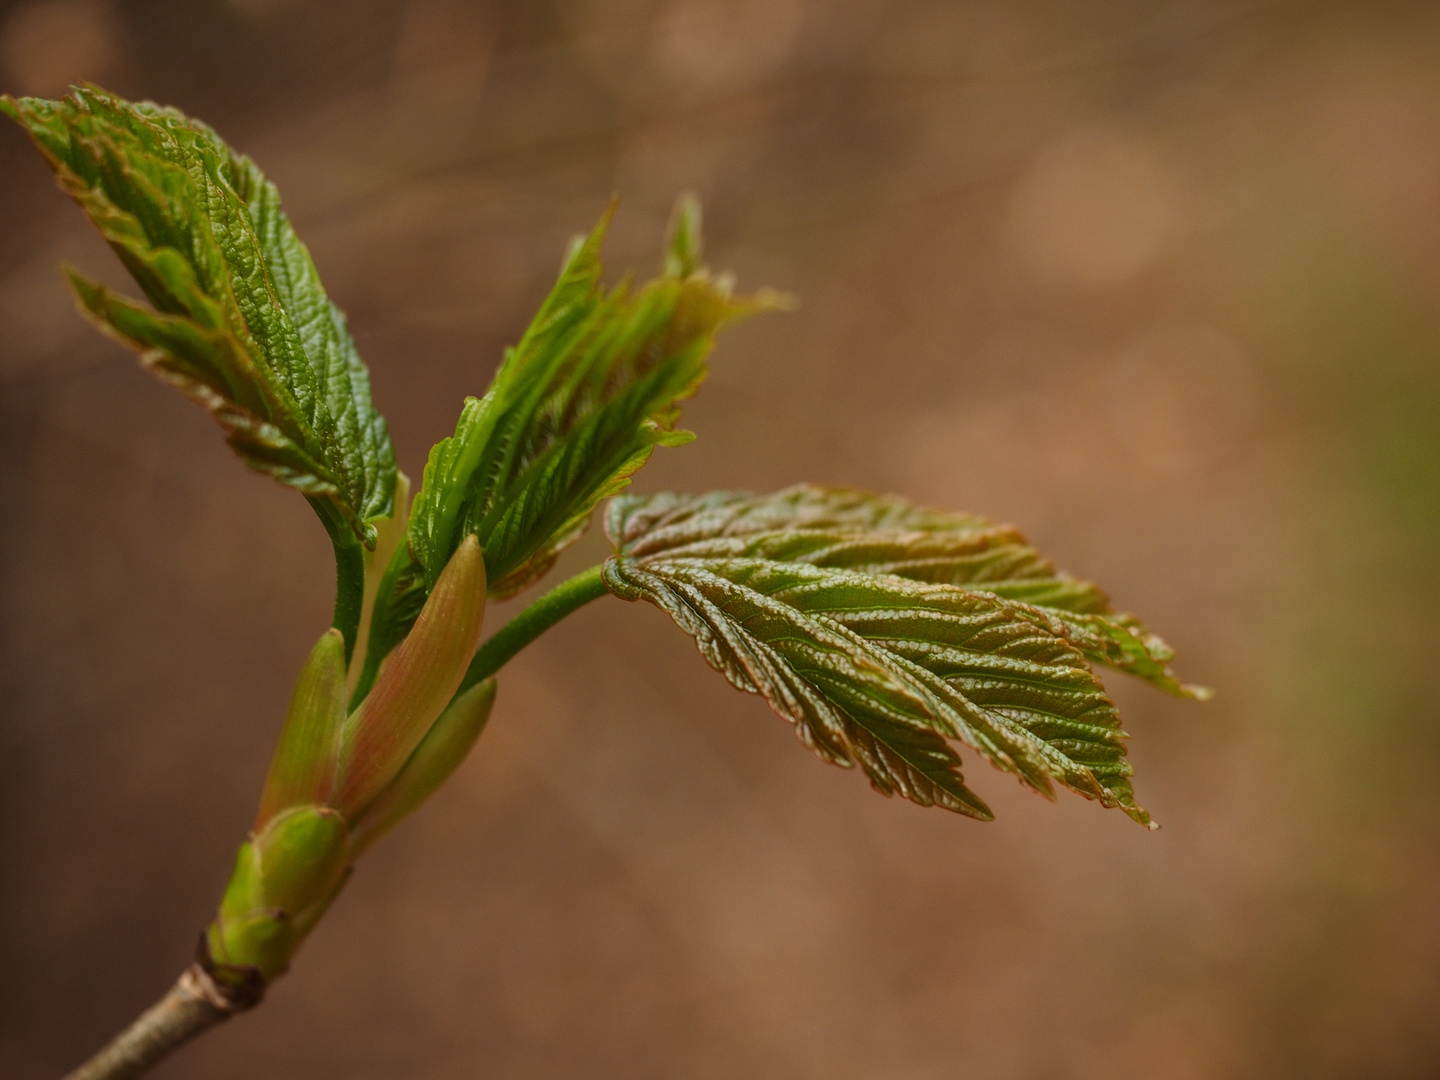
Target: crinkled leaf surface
{"points": [[882, 629], [575, 409], [593, 386], [842, 528], [241, 322]]}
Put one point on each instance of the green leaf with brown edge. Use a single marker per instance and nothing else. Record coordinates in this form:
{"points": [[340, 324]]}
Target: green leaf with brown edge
{"points": [[241, 323], [578, 405], [863, 618], [844, 528], [879, 671]]}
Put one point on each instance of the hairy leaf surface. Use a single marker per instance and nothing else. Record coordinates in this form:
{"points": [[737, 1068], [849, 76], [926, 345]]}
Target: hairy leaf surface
{"points": [[881, 629], [241, 322]]}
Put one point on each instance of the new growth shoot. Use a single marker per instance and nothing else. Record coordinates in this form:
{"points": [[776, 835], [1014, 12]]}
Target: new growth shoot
{"points": [[889, 635]]}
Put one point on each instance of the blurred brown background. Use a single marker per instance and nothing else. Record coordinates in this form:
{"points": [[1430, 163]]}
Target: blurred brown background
{"points": [[1157, 281]]}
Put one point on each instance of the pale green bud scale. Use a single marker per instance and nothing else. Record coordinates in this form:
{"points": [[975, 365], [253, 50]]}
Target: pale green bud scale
{"points": [[439, 754], [284, 878], [302, 771], [418, 681]]}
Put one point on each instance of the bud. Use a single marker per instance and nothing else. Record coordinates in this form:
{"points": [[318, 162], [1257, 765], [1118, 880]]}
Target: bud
{"points": [[439, 754], [285, 877], [302, 854], [382, 761], [417, 682], [303, 768]]}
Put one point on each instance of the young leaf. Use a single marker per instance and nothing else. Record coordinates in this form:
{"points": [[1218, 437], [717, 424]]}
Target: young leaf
{"points": [[881, 629], [846, 529], [593, 386], [241, 322]]}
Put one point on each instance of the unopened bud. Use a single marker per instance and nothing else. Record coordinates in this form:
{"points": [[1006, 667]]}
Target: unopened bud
{"points": [[439, 754], [303, 768], [416, 684], [285, 877]]}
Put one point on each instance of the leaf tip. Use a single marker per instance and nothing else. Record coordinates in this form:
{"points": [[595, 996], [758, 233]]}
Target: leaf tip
{"points": [[774, 300], [976, 809], [684, 241], [84, 288], [1139, 816]]}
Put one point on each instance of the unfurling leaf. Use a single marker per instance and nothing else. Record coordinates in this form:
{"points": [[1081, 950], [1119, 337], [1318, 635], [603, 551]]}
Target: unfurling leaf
{"points": [[241, 322], [881, 629], [593, 386], [846, 529]]}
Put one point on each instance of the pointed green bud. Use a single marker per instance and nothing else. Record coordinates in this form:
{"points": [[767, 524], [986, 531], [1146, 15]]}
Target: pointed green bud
{"points": [[439, 754], [303, 769], [418, 681], [284, 879]]}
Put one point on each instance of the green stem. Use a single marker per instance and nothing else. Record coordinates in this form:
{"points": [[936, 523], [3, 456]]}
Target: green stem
{"points": [[349, 573], [349, 593], [567, 597]]}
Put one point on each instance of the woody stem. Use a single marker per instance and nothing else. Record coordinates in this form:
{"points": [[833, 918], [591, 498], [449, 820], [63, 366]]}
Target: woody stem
{"points": [[194, 1004]]}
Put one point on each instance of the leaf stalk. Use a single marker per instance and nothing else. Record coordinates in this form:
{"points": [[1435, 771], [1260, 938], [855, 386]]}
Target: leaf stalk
{"points": [[349, 573], [565, 599]]}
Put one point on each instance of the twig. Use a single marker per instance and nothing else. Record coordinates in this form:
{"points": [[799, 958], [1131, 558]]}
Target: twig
{"points": [[194, 1004]]}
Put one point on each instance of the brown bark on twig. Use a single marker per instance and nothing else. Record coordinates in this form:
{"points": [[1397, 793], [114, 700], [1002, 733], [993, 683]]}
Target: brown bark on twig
{"points": [[194, 1004]]}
